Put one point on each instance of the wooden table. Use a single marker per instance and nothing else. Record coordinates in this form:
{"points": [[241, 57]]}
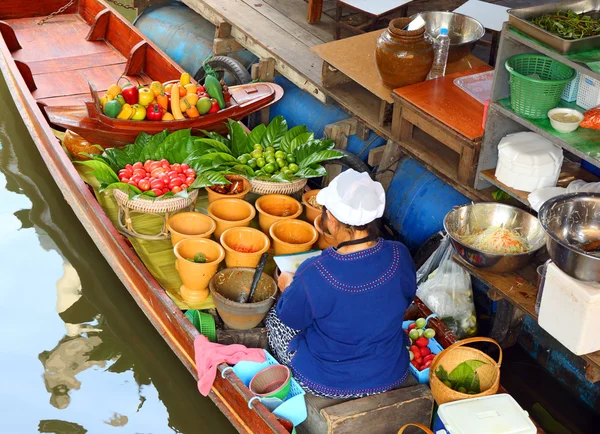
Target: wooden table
{"points": [[373, 9]]}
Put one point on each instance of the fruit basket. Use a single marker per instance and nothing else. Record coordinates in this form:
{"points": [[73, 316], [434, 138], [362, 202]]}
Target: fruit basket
{"points": [[433, 348], [270, 187]]}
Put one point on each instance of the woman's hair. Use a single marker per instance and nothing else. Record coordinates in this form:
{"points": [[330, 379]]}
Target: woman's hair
{"points": [[372, 228]]}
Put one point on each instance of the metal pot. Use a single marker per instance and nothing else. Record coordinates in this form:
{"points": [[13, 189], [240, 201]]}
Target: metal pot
{"points": [[571, 221]]}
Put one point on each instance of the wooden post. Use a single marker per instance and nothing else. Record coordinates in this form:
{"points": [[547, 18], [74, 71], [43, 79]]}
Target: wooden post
{"points": [[264, 70], [315, 9], [223, 43], [339, 133]]}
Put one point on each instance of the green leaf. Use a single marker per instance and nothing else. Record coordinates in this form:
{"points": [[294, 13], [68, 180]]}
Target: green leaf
{"points": [[280, 177], [275, 132], [257, 134], [134, 150], [221, 157], [148, 151], [130, 189], [441, 373], [315, 171], [243, 169], [209, 178], [239, 139], [101, 171], [174, 147], [216, 136], [319, 157], [312, 147], [211, 143], [474, 364], [286, 141], [475, 385], [118, 158], [299, 140], [462, 376]]}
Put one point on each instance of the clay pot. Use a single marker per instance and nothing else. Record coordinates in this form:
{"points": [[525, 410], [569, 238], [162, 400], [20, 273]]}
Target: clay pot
{"points": [[230, 213], [196, 276], [247, 238], [403, 57], [292, 236], [275, 207], [325, 239], [213, 195], [311, 211], [190, 225]]}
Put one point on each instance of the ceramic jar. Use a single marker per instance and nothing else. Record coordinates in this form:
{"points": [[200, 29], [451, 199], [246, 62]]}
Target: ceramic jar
{"points": [[403, 57]]}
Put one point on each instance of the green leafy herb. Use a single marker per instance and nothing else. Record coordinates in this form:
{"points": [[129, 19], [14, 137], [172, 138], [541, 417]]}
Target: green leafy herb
{"points": [[501, 195], [463, 378], [568, 25]]}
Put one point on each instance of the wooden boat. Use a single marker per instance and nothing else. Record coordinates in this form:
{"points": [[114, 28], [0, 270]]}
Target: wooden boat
{"points": [[91, 45]]}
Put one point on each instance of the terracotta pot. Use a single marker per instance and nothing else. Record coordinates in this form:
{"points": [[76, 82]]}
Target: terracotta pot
{"points": [[292, 236], [213, 195], [230, 213], [248, 238], [311, 211], [403, 57], [325, 239], [274, 207], [190, 225], [196, 276]]}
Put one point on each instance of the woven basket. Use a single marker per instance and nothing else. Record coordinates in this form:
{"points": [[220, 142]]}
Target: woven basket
{"points": [[455, 354], [163, 208], [268, 187], [418, 425]]}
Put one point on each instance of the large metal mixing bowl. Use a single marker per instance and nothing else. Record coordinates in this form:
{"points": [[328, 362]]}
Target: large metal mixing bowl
{"points": [[472, 218], [464, 31], [572, 221]]}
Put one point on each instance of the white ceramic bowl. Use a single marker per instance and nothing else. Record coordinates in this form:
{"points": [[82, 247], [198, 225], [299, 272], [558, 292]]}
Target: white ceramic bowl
{"points": [[565, 127]]}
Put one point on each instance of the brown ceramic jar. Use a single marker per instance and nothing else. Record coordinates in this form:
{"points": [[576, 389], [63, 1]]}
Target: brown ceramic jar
{"points": [[403, 57]]}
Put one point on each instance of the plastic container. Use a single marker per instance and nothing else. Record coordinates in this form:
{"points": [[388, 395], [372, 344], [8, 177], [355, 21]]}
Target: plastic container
{"points": [[441, 46], [487, 415], [190, 225], [588, 95], [230, 213], [478, 86], [275, 207], [246, 238], [435, 348], [570, 311], [565, 127], [570, 92], [293, 408], [528, 161], [203, 322], [536, 84], [272, 382], [292, 236]]}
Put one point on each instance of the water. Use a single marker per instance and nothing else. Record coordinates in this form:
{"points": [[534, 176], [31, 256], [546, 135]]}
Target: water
{"points": [[441, 45], [76, 353]]}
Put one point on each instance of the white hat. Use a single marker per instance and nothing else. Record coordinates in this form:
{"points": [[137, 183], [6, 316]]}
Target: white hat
{"points": [[353, 198]]}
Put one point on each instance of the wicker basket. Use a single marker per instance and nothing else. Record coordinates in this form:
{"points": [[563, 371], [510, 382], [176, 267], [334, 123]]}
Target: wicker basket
{"points": [[418, 425], [160, 207], [268, 187], [455, 354]]}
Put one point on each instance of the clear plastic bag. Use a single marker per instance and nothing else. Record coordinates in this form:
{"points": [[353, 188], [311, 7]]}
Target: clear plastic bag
{"points": [[447, 291]]}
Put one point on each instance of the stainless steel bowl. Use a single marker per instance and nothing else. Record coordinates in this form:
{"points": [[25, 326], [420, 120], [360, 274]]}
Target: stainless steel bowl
{"points": [[464, 31], [571, 221], [470, 218]]}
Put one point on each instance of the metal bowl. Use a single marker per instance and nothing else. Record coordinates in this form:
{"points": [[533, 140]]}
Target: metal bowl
{"points": [[470, 218], [571, 221], [464, 31]]}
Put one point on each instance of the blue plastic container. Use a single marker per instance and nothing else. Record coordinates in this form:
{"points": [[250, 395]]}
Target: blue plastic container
{"points": [[435, 348]]}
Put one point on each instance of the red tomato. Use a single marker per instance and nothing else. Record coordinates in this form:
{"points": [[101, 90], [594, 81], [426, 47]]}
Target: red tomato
{"points": [[426, 365], [190, 172], [137, 165], [157, 191], [173, 174], [425, 351], [414, 363], [129, 167], [184, 167], [165, 190], [154, 165], [157, 183], [124, 179], [164, 177], [176, 189], [412, 326], [175, 183], [144, 185], [422, 342], [166, 166], [176, 167], [147, 164], [189, 180], [200, 89], [182, 177], [140, 172], [184, 186], [125, 172], [429, 358], [136, 178], [416, 350], [157, 171], [132, 183]]}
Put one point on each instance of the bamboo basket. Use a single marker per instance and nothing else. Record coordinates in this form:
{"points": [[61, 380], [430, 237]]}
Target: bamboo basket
{"points": [[162, 208], [455, 354], [268, 187], [418, 425]]}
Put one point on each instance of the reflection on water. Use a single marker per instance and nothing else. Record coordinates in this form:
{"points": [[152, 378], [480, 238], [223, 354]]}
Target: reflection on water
{"points": [[76, 353]]}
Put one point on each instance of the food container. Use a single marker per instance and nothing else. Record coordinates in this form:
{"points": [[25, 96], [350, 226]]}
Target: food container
{"points": [[478, 86], [528, 161], [272, 382], [190, 225], [326, 240], [570, 311], [213, 195], [275, 207], [588, 94], [562, 126], [435, 348], [311, 211], [489, 414], [292, 236], [253, 241], [230, 213]]}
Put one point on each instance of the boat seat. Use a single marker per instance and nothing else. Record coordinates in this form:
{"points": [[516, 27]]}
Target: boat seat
{"points": [[384, 413]]}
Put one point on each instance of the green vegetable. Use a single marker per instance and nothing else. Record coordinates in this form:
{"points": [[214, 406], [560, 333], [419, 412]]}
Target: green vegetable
{"points": [[568, 25], [214, 89], [501, 195], [420, 323], [112, 108], [463, 378]]}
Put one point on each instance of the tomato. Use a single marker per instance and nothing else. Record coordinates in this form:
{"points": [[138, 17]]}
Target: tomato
{"points": [[184, 167], [157, 184], [124, 179], [414, 363], [166, 190], [184, 186], [416, 350], [164, 161], [144, 185], [140, 172], [176, 182], [173, 174], [176, 189], [158, 171], [412, 326], [422, 342], [176, 167], [125, 172], [165, 166], [157, 191], [426, 364], [190, 172], [129, 167], [182, 177], [153, 166], [147, 165], [136, 178], [137, 165], [164, 177], [428, 358], [189, 180], [425, 351]]}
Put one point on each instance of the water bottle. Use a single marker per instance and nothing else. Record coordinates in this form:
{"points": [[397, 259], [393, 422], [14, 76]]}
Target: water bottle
{"points": [[441, 45]]}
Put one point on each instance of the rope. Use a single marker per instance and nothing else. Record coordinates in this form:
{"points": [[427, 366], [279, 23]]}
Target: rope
{"points": [[71, 2]]}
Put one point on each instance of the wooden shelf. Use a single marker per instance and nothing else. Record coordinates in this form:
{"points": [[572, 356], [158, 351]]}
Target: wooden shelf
{"points": [[515, 35], [584, 143], [488, 175]]}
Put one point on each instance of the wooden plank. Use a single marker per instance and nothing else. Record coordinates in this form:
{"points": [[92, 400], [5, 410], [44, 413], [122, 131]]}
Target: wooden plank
{"points": [[9, 36], [137, 59], [297, 12], [331, 77], [98, 29], [38, 8], [77, 62], [264, 71]]}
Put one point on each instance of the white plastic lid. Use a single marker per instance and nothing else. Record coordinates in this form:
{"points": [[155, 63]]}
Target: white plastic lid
{"points": [[495, 414], [530, 149]]}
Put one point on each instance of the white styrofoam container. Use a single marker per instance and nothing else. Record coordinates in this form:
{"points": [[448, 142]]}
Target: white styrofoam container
{"points": [[528, 161], [493, 414], [588, 94], [570, 311]]}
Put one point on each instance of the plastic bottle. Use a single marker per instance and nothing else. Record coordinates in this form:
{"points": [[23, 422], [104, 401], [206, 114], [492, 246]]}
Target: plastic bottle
{"points": [[441, 45]]}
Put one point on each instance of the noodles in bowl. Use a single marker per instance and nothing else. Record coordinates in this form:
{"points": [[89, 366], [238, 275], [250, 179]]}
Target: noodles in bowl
{"points": [[498, 240]]}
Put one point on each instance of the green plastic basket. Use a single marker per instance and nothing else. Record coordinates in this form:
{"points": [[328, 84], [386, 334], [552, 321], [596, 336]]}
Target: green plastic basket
{"points": [[203, 322], [533, 97]]}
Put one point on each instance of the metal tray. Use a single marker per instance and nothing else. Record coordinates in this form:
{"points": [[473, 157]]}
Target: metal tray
{"points": [[519, 18]]}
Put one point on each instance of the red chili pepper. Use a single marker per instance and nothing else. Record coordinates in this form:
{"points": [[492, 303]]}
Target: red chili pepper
{"points": [[155, 112]]}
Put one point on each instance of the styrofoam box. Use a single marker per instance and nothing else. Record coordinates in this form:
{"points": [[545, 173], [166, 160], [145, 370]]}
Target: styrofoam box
{"points": [[528, 161], [487, 415], [570, 311]]}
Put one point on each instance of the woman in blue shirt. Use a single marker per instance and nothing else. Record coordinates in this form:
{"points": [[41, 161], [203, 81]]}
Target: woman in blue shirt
{"points": [[338, 322]]}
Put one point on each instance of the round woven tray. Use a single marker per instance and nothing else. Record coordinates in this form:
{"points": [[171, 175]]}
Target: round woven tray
{"points": [[268, 187]]}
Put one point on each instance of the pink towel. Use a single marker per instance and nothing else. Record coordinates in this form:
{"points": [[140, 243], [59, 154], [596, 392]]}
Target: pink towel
{"points": [[209, 355]]}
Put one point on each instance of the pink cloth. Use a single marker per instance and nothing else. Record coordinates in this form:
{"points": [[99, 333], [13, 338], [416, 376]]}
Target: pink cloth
{"points": [[209, 355]]}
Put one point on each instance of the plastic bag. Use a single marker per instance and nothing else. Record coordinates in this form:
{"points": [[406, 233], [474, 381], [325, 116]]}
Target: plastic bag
{"points": [[447, 291], [591, 119]]}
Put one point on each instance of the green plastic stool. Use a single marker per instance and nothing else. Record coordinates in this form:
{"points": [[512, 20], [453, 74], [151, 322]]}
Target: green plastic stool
{"points": [[203, 322]]}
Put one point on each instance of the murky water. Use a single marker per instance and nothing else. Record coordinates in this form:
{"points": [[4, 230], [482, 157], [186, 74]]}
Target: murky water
{"points": [[76, 353]]}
